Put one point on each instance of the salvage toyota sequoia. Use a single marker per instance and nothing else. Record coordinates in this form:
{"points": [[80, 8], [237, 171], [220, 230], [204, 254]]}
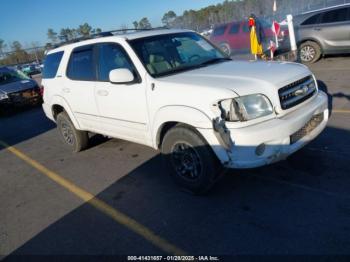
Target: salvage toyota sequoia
{"points": [[176, 92]]}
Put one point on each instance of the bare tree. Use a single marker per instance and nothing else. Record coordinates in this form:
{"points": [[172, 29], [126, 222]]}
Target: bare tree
{"points": [[2, 47], [52, 35]]}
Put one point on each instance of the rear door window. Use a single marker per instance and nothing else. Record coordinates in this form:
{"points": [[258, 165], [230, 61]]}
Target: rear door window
{"points": [[220, 30], [234, 29], [245, 28], [81, 64], [51, 64], [339, 15]]}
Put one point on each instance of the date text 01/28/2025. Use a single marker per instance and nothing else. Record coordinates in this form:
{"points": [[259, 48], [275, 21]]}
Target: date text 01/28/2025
{"points": [[173, 258]]}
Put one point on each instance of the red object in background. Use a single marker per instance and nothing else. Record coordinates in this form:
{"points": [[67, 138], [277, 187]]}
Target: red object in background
{"points": [[276, 28], [272, 46], [42, 91], [251, 22], [237, 35]]}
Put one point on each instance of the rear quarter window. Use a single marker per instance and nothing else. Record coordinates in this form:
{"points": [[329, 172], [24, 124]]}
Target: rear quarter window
{"points": [[334, 16], [245, 28], [51, 64], [234, 29]]}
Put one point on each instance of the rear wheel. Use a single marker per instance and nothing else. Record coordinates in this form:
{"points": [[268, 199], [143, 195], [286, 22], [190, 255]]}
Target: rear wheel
{"points": [[74, 139], [190, 160], [309, 52]]}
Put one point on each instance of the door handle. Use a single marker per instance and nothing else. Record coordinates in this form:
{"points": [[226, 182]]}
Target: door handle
{"points": [[66, 90], [102, 93], [318, 28]]}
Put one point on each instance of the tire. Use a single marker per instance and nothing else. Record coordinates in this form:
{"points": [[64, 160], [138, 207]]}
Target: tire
{"points": [[74, 139], [309, 52], [190, 160], [225, 47]]}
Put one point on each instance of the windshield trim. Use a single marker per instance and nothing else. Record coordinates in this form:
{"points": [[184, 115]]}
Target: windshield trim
{"points": [[225, 57]]}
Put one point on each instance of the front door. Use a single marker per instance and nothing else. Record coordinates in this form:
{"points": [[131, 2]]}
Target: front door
{"points": [[122, 107]]}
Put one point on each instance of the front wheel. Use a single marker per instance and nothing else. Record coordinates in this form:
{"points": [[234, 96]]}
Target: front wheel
{"points": [[190, 160], [309, 52]]}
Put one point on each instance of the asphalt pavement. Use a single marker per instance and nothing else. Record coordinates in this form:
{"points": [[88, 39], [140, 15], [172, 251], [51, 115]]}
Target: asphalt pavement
{"points": [[116, 199]]}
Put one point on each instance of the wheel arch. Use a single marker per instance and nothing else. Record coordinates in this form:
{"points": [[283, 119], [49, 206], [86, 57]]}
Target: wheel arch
{"points": [[170, 116], [311, 40], [58, 105]]}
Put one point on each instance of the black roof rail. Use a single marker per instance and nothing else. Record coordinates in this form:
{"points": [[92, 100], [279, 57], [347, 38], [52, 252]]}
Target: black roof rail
{"points": [[105, 34]]}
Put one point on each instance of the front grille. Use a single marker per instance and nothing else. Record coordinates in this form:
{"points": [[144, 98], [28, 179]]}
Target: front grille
{"points": [[297, 92], [314, 122]]}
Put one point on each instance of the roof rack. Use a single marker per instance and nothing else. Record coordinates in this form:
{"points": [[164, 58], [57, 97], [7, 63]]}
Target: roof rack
{"points": [[105, 34]]}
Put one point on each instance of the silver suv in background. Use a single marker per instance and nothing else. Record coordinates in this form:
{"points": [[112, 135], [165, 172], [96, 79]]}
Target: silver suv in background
{"points": [[322, 32]]}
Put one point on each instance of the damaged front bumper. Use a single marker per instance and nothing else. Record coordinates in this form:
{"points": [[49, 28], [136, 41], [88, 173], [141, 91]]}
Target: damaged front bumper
{"points": [[270, 141]]}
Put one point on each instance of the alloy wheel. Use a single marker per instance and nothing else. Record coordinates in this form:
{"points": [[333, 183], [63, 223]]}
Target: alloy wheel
{"points": [[186, 161], [307, 53], [67, 133]]}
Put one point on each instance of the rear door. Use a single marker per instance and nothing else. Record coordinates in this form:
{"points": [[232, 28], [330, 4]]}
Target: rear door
{"points": [[79, 86], [334, 29]]}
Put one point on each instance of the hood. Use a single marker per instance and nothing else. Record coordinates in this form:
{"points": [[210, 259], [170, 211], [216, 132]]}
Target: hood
{"points": [[242, 77], [17, 86]]}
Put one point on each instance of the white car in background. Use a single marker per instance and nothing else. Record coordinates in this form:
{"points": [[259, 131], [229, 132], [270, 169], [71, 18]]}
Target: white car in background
{"points": [[207, 33], [176, 92]]}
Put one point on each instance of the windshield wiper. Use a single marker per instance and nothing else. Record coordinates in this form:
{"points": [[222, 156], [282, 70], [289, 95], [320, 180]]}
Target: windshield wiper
{"points": [[191, 67], [215, 60], [176, 70]]}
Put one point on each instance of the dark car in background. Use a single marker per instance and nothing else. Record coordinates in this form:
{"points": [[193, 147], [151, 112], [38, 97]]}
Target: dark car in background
{"points": [[32, 69], [17, 89], [322, 32]]}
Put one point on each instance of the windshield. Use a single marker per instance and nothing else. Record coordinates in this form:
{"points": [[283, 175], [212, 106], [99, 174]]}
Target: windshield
{"points": [[10, 76], [167, 54]]}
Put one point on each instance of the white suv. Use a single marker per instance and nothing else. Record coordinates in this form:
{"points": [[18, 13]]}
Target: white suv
{"points": [[175, 91]]}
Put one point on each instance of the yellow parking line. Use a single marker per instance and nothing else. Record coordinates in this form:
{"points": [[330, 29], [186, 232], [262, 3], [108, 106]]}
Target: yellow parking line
{"points": [[341, 111], [113, 213]]}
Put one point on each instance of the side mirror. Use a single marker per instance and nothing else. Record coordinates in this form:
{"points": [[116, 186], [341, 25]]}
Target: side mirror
{"points": [[121, 76]]}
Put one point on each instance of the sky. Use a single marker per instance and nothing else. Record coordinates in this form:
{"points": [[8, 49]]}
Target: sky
{"points": [[27, 21]]}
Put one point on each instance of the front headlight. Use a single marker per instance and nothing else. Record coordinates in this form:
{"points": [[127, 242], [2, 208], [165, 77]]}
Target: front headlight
{"points": [[3, 96], [245, 108]]}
